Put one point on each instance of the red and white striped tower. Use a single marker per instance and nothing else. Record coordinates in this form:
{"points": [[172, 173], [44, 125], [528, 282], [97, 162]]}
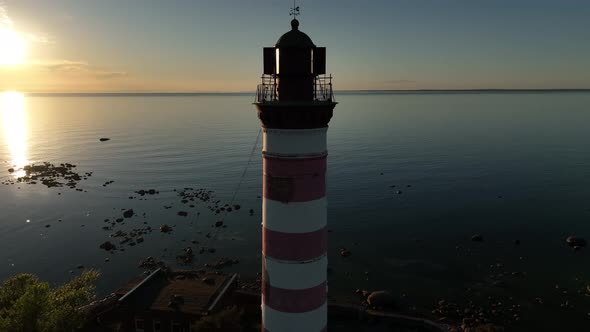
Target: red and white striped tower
{"points": [[295, 104]]}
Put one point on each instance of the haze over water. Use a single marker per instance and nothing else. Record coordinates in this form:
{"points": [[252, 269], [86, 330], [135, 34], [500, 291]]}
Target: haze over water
{"points": [[505, 165]]}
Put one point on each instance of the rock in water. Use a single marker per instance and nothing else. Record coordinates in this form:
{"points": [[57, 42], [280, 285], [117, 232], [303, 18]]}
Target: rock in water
{"points": [[165, 228], [128, 213], [104, 139], [477, 238], [182, 213], [107, 246], [574, 241], [219, 223], [381, 299]]}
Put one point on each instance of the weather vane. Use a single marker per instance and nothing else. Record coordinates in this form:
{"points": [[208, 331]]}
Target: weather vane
{"points": [[295, 10]]}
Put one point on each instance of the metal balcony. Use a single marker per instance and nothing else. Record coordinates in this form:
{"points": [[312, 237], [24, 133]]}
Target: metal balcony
{"points": [[268, 90]]}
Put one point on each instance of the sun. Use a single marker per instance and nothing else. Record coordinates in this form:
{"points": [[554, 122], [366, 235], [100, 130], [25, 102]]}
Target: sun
{"points": [[12, 48]]}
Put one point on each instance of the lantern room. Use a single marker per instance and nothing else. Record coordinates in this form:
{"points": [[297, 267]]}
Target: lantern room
{"points": [[294, 70]]}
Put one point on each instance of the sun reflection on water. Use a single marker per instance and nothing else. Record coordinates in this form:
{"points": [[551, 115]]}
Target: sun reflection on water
{"points": [[14, 120]]}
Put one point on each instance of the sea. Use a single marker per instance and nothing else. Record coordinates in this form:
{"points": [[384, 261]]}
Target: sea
{"points": [[412, 178]]}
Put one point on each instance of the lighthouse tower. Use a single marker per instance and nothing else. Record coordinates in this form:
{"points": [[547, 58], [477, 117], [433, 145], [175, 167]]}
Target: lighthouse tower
{"points": [[294, 104]]}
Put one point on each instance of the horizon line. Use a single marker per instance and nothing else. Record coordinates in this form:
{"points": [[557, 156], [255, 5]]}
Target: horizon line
{"points": [[376, 91]]}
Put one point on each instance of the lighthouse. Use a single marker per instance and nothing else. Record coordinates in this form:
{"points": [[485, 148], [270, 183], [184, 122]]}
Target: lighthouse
{"points": [[294, 103]]}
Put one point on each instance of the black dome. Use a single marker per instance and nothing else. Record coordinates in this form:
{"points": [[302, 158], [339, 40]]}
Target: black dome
{"points": [[294, 38]]}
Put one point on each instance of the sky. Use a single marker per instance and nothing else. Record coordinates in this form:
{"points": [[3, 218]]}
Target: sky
{"points": [[216, 45]]}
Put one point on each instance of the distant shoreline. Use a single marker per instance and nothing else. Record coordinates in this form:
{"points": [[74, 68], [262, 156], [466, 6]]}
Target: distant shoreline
{"points": [[343, 92]]}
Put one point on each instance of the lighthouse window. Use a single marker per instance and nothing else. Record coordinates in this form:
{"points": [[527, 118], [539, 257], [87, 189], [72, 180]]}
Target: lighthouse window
{"points": [[277, 58], [311, 62]]}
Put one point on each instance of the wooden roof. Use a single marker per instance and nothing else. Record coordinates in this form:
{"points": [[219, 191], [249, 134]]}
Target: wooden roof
{"points": [[156, 291]]}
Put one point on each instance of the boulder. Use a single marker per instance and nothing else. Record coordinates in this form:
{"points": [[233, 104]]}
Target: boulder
{"points": [[128, 213], [381, 298], [165, 228], [345, 252], [477, 238], [574, 241], [107, 246], [182, 213]]}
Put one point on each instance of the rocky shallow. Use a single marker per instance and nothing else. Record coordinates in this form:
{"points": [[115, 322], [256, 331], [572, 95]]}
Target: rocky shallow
{"points": [[493, 312], [49, 175]]}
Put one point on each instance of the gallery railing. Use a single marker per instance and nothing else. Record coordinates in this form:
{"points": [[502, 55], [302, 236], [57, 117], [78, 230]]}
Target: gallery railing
{"points": [[268, 90]]}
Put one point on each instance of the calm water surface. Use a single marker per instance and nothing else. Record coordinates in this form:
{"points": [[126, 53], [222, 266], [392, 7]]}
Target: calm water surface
{"points": [[506, 165]]}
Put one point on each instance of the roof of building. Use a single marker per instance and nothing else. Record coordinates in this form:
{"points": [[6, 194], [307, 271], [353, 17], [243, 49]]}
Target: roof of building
{"points": [[187, 292], [294, 38]]}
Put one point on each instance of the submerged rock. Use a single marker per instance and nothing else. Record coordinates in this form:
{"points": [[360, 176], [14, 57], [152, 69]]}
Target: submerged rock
{"points": [[107, 246], [345, 252], [381, 298], [574, 241], [186, 256], [128, 214], [150, 263], [182, 213], [477, 238], [165, 228]]}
